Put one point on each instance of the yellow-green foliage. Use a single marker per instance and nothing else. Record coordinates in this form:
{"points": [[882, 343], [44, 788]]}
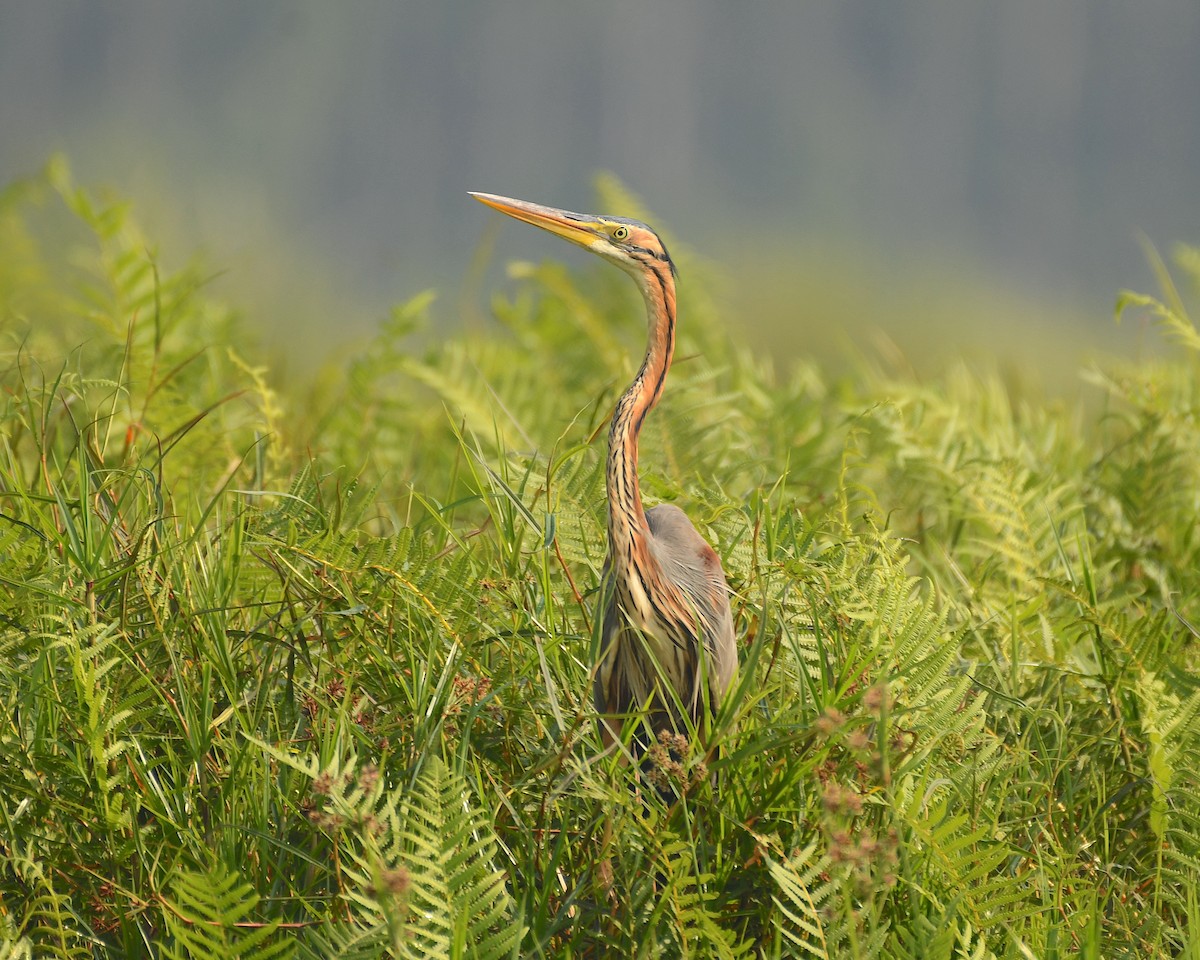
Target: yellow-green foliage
{"points": [[295, 672]]}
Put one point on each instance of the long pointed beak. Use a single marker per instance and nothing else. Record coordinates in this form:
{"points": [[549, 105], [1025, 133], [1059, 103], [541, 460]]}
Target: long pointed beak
{"points": [[577, 227]]}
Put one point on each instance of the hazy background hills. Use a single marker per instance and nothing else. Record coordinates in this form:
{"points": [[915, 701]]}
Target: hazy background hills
{"points": [[957, 173]]}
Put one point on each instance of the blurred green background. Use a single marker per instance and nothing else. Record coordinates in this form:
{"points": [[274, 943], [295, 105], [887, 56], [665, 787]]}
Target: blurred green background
{"points": [[920, 179]]}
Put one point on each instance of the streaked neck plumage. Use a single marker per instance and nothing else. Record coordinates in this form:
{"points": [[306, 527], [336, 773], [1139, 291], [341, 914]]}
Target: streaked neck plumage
{"points": [[627, 530]]}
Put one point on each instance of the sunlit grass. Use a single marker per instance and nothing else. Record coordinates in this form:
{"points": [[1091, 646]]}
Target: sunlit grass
{"points": [[307, 673]]}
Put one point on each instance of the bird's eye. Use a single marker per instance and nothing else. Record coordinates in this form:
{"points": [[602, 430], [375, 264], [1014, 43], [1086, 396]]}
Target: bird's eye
{"points": [[620, 233]]}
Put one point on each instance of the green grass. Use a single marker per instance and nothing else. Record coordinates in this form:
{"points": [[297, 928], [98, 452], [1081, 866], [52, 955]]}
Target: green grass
{"points": [[305, 672]]}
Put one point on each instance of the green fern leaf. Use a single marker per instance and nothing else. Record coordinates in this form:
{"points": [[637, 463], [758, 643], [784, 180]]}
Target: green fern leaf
{"points": [[803, 898], [206, 917]]}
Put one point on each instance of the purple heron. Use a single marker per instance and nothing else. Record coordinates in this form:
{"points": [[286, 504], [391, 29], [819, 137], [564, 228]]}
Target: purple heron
{"points": [[667, 643]]}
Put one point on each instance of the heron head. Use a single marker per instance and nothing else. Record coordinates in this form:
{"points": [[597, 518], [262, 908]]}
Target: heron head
{"points": [[630, 244]]}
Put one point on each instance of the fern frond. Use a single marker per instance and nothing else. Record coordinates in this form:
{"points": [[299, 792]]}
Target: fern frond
{"points": [[48, 922], [803, 899], [419, 859], [966, 862], [815, 917], [206, 917], [345, 941]]}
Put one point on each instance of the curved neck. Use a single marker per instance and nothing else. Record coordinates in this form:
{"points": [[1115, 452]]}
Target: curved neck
{"points": [[626, 518]]}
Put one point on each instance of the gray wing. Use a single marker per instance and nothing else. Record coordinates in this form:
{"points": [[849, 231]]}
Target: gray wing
{"points": [[693, 570]]}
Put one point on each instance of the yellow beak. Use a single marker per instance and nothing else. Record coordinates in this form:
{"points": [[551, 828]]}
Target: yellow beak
{"points": [[579, 228]]}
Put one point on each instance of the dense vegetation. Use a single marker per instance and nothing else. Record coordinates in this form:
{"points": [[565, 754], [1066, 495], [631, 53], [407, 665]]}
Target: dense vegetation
{"points": [[305, 673]]}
